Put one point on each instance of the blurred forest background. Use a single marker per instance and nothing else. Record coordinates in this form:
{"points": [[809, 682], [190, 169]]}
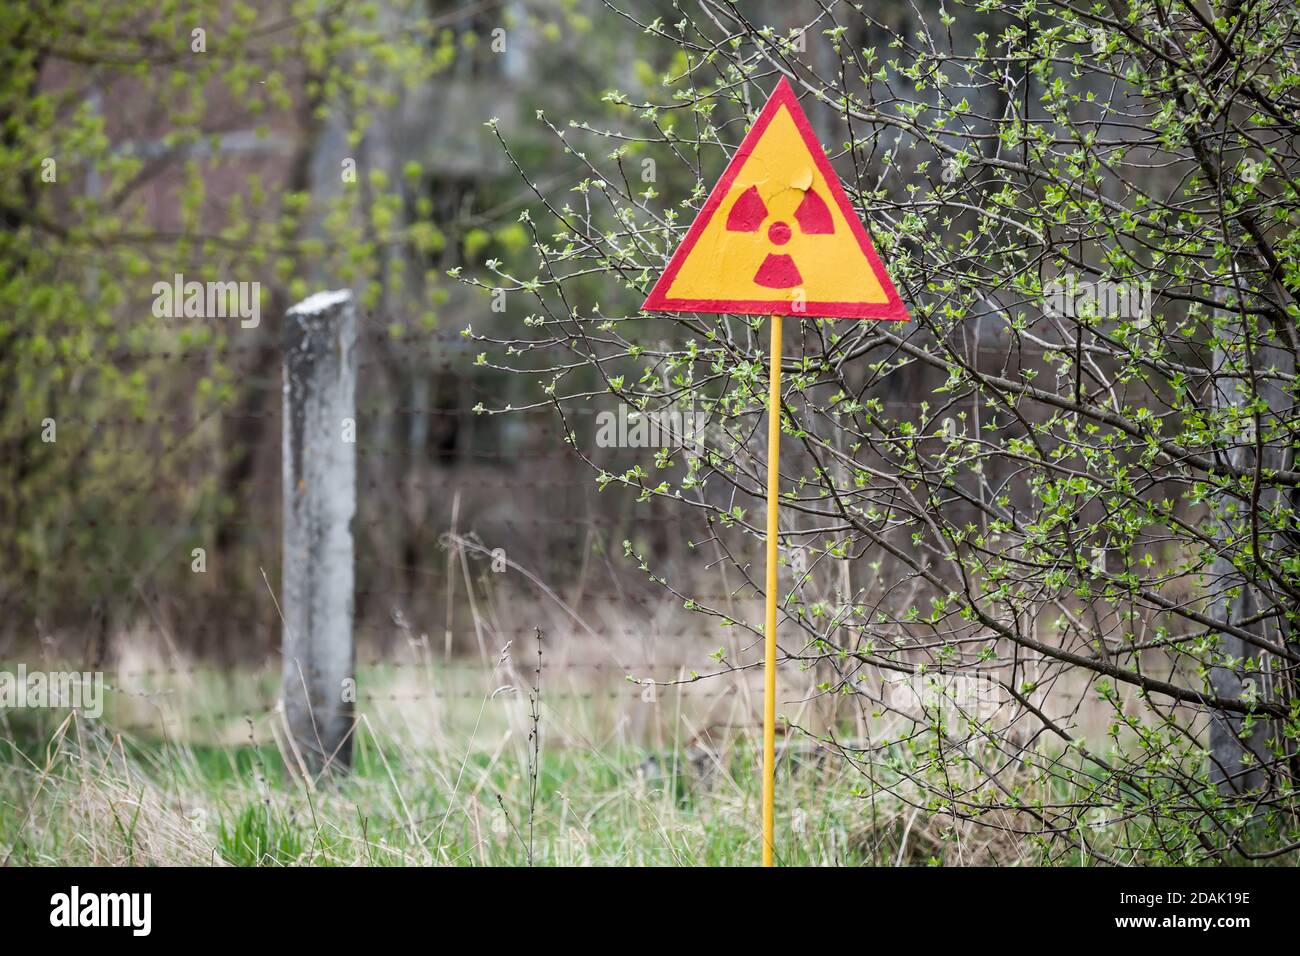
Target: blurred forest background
{"points": [[1070, 527], [303, 146]]}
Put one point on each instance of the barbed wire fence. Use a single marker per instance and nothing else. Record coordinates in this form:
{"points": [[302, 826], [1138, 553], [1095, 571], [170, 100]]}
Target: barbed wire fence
{"points": [[472, 555]]}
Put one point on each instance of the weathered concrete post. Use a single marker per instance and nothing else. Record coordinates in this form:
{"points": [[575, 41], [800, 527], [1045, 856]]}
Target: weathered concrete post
{"points": [[320, 495]]}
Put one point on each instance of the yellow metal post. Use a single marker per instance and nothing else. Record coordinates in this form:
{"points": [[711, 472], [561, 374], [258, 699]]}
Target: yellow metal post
{"points": [[769, 658]]}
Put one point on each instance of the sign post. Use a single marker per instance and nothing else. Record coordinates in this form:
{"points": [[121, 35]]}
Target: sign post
{"points": [[777, 236], [769, 635]]}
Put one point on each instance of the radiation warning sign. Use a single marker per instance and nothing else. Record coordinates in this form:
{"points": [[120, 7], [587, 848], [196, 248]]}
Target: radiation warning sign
{"points": [[778, 235]]}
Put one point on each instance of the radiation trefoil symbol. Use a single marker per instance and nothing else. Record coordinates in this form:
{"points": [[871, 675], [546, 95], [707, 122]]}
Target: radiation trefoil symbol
{"points": [[778, 270], [778, 234]]}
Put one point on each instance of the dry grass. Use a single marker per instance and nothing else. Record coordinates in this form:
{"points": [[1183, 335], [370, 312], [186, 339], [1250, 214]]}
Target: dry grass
{"points": [[186, 767]]}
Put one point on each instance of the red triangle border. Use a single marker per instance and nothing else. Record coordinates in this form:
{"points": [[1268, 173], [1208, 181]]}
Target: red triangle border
{"points": [[892, 310]]}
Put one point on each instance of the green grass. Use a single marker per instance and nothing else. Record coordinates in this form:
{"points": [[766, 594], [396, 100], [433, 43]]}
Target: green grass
{"points": [[191, 772], [260, 835], [431, 783], [398, 808]]}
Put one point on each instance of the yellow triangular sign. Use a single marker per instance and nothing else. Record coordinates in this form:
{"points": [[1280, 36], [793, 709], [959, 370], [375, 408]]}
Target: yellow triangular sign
{"points": [[778, 235]]}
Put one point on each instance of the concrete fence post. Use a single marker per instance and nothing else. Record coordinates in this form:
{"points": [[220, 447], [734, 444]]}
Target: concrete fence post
{"points": [[320, 496]]}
